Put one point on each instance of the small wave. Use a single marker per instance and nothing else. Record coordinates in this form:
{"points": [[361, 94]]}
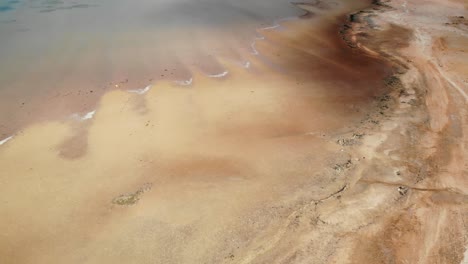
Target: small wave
{"points": [[88, 115], [246, 64], [219, 75], [254, 50], [276, 24], [141, 91], [84, 117], [185, 82], [270, 27], [3, 141]]}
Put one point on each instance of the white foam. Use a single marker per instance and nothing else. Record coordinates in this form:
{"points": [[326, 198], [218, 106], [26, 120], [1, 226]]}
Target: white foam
{"points": [[271, 27], [260, 38], [219, 75], [88, 115], [254, 50], [246, 64], [185, 82], [277, 23], [84, 117], [141, 91], [3, 141]]}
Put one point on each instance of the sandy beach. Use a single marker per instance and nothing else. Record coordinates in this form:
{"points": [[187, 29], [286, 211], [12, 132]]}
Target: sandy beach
{"points": [[334, 136]]}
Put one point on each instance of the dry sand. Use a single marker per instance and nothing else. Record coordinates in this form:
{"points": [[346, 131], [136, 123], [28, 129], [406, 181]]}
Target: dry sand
{"points": [[343, 142]]}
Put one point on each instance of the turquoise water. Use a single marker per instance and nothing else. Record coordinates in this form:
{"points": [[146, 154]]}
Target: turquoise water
{"points": [[8, 5]]}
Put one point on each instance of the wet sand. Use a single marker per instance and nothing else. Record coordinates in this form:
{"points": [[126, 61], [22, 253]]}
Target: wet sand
{"points": [[333, 140]]}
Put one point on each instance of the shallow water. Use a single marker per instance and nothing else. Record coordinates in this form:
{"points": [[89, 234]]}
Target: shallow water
{"points": [[169, 132], [53, 53]]}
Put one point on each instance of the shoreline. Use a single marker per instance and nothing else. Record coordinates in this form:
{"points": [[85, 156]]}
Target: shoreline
{"points": [[399, 190], [235, 168], [401, 185], [90, 106]]}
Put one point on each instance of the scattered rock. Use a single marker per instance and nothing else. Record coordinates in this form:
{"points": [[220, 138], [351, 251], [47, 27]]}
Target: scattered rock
{"points": [[343, 166], [358, 135], [346, 142], [393, 82], [132, 198], [350, 141], [403, 190], [127, 199]]}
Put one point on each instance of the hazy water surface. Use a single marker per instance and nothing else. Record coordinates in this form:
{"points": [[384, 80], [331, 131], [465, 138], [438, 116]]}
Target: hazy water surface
{"points": [[58, 57]]}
